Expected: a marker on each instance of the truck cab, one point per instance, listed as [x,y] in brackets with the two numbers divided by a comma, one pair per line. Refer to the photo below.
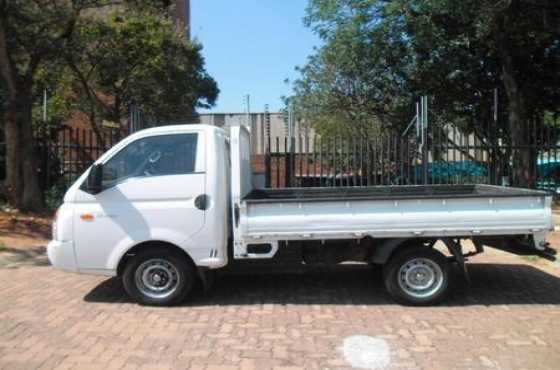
[166,187]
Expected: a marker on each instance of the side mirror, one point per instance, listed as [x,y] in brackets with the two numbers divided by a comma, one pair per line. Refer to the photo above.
[94,180]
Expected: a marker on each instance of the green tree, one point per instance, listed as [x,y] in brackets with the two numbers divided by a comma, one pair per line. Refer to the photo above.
[56,43]
[473,46]
[31,32]
[356,83]
[379,56]
[136,58]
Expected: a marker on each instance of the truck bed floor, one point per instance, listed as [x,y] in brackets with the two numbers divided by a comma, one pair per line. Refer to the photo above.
[386,193]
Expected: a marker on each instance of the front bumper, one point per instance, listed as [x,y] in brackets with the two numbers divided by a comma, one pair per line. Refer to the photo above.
[61,255]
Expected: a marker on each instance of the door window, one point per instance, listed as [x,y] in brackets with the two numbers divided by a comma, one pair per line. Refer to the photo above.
[152,156]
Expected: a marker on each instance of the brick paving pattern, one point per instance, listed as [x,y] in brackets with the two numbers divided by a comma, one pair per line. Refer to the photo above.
[509,319]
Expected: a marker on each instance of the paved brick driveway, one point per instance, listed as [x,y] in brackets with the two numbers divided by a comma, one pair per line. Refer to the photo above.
[510,319]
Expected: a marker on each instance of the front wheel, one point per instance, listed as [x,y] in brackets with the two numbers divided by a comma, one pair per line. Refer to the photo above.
[158,277]
[418,276]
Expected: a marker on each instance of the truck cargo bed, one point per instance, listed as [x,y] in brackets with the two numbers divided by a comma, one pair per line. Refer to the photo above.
[275,217]
[387,193]
[393,212]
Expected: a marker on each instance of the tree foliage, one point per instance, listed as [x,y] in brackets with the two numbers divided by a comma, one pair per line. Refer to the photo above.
[379,56]
[140,59]
[356,82]
[97,56]
[32,32]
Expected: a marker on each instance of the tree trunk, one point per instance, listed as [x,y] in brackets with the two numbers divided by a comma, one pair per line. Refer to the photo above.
[14,183]
[523,160]
[32,199]
[22,180]
[522,156]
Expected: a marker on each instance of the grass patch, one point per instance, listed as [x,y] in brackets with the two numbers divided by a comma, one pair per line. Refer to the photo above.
[3,247]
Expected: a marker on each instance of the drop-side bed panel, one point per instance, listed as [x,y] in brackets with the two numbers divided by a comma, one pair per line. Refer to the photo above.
[291,214]
[387,192]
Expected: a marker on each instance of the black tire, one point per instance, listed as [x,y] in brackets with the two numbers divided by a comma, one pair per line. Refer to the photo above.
[169,266]
[426,263]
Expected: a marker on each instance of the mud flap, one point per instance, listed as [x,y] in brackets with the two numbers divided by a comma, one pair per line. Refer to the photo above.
[207,278]
[457,251]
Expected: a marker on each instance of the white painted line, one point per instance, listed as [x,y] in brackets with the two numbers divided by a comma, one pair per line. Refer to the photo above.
[364,352]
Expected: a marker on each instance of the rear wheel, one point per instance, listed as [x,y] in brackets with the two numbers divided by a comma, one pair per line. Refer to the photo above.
[418,276]
[158,277]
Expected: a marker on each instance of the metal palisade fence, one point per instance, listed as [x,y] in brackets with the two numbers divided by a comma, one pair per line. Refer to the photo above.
[66,152]
[435,153]
[441,153]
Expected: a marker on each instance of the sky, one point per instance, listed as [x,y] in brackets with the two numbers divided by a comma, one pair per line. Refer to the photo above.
[251,47]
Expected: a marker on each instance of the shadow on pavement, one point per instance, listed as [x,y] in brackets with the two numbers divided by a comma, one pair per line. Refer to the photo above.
[15,257]
[492,284]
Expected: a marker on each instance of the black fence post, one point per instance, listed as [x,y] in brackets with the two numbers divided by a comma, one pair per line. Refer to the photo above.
[425,156]
[267,162]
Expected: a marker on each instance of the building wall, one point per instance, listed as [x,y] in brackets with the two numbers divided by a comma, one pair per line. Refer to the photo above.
[182,16]
[260,133]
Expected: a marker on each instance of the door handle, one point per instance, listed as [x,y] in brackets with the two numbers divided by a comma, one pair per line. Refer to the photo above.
[201,202]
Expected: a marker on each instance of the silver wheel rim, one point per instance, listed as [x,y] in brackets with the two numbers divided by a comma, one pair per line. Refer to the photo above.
[420,278]
[157,278]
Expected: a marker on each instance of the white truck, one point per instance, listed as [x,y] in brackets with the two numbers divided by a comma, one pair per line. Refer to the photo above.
[167,206]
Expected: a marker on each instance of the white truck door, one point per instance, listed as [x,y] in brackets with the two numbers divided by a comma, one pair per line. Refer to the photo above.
[152,190]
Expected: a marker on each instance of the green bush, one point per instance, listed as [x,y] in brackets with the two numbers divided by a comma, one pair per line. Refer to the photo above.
[54,196]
